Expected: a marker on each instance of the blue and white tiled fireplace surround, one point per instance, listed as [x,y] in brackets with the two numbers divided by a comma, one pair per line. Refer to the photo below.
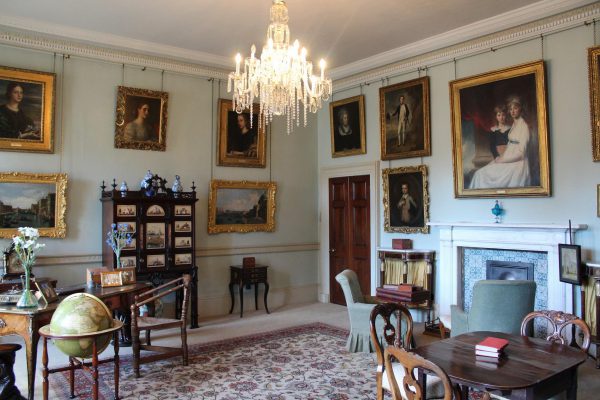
[465,247]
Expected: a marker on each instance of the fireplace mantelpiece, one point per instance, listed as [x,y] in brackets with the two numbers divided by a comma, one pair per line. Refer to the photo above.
[526,237]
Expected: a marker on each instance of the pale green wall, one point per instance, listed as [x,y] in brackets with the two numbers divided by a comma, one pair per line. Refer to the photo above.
[573,174]
[87,92]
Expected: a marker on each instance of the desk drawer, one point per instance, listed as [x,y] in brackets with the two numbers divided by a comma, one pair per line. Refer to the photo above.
[113,303]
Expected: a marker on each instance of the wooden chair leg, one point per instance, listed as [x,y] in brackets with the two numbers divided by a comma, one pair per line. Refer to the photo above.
[184,345]
[148,342]
[116,361]
[135,349]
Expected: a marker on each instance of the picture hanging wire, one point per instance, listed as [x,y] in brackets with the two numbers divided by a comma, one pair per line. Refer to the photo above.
[570,233]
[542,46]
[361,89]
[123,75]
[595,36]
[270,133]
[419,72]
[454,60]
[162,80]
[212,124]
[62,112]
[54,63]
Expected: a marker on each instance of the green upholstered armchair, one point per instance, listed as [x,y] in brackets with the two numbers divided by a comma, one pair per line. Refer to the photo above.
[359,310]
[497,306]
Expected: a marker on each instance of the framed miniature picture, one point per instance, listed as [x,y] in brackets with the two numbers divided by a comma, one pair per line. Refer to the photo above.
[126,210]
[128,262]
[46,290]
[404,119]
[406,199]
[183,211]
[155,260]
[241,142]
[594,82]
[240,206]
[347,120]
[155,211]
[155,235]
[35,200]
[141,119]
[183,226]
[27,115]
[500,133]
[182,259]
[183,242]
[131,245]
[569,263]
[130,226]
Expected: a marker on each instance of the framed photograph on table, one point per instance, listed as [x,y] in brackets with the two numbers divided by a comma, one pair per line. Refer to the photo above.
[241,142]
[46,291]
[404,119]
[406,199]
[347,120]
[569,263]
[27,112]
[141,119]
[594,79]
[35,200]
[240,206]
[500,133]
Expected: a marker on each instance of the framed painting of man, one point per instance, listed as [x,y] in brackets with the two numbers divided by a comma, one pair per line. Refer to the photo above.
[241,206]
[347,120]
[27,110]
[35,200]
[242,143]
[406,199]
[594,78]
[404,119]
[500,133]
[141,119]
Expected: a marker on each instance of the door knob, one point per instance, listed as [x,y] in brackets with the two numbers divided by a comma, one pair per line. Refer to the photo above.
[332,251]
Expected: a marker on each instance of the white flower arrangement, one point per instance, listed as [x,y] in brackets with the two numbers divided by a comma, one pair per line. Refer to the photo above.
[26,246]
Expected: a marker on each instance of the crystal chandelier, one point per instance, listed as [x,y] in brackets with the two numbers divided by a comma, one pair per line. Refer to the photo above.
[282,78]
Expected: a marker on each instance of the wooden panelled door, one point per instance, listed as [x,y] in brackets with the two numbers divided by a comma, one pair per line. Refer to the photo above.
[349,232]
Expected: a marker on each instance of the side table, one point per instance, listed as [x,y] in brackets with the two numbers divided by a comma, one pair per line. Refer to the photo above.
[246,276]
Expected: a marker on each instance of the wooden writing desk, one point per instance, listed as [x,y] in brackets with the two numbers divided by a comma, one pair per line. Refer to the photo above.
[26,322]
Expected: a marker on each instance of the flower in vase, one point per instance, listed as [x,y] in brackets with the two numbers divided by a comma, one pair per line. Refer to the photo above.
[118,237]
[26,246]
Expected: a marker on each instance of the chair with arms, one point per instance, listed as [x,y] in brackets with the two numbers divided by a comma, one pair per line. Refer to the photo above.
[148,324]
[391,325]
[497,306]
[410,388]
[359,311]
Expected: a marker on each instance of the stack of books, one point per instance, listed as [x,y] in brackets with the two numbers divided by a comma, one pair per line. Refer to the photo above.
[489,352]
[402,293]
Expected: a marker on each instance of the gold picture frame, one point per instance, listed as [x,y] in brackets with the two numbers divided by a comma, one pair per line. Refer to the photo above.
[141,119]
[347,121]
[46,212]
[598,200]
[253,211]
[594,79]
[406,199]
[404,119]
[240,146]
[500,133]
[33,130]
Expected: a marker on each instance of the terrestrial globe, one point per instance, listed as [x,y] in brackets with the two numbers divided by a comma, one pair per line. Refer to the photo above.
[77,314]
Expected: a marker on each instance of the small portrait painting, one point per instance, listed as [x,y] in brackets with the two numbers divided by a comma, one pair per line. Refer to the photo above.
[347,120]
[500,136]
[404,119]
[242,141]
[26,110]
[406,199]
[47,291]
[141,119]
[569,262]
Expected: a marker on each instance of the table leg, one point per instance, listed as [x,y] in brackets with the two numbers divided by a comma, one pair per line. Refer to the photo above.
[256,295]
[45,369]
[31,343]
[116,361]
[241,299]
[232,297]
[598,355]
[266,293]
[572,390]
[464,392]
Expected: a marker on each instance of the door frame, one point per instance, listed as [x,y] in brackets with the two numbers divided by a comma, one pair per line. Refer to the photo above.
[373,170]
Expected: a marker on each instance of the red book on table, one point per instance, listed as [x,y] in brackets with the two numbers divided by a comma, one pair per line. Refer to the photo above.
[492,344]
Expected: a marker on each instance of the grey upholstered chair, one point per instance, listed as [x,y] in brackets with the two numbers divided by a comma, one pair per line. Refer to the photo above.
[497,306]
[359,310]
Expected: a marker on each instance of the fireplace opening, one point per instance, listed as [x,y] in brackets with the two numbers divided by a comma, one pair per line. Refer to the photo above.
[508,270]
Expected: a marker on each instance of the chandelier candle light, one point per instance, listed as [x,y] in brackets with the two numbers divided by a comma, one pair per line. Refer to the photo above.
[282,78]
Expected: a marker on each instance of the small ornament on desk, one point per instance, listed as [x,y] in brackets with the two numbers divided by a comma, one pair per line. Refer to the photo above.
[497,211]
[177,188]
[401,244]
[147,180]
[248,262]
[124,189]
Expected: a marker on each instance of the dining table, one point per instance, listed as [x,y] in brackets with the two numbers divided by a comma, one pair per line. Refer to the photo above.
[529,368]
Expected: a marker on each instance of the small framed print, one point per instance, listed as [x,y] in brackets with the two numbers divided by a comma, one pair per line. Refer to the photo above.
[111,278]
[569,263]
[347,120]
[128,262]
[130,225]
[183,211]
[46,290]
[183,242]
[126,210]
[130,246]
[183,226]
[155,261]
[127,275]
[155,235]
[183,259]
[155,211]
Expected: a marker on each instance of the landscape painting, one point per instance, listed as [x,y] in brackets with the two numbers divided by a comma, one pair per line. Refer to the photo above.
[242,207]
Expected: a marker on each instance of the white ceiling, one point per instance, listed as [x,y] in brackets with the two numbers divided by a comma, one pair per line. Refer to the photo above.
[341,31]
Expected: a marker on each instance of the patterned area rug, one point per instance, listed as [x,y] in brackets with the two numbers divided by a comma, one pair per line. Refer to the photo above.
[307,362]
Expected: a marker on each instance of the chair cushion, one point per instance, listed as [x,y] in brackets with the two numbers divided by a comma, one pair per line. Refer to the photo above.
[435,388]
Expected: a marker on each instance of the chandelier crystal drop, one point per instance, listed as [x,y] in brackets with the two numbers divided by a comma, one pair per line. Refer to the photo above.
[282,78]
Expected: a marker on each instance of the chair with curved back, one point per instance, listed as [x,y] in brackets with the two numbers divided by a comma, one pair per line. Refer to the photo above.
[410,388]
[559,321]
[391,325]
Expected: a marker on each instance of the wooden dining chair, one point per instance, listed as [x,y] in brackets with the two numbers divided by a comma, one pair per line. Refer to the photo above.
[406,386]
[559,321]
[147,324]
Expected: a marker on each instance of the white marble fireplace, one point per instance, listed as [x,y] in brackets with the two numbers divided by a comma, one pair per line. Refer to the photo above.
[455,236]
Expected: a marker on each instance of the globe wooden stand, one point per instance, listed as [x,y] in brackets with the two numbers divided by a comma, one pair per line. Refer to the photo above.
[75,363]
